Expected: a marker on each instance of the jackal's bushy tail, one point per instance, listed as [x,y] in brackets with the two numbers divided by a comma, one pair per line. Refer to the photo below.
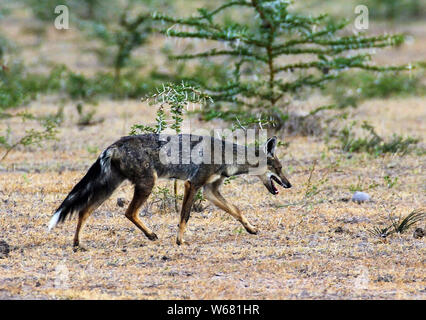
[96,186]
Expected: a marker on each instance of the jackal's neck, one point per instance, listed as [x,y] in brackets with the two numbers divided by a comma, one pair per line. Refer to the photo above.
[253,162]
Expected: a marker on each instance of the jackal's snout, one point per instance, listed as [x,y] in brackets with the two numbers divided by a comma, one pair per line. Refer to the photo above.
[284,182]
[271,179]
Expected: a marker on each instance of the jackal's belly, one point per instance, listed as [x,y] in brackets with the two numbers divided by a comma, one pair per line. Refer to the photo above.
[207,173]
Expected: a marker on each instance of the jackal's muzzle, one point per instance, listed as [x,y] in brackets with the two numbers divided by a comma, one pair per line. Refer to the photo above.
[269,180]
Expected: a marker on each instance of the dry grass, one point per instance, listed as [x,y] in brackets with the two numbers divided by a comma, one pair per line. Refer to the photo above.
[297,254]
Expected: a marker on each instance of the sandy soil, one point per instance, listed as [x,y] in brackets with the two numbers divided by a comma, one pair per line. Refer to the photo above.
[297,254]
[308,247]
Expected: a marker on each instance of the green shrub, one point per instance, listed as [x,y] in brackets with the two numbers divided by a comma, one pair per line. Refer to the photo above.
[94,10]
[373,143]
[31,136]
[257,81]
[396,9]
[118,41]
[18,86]
[351,89]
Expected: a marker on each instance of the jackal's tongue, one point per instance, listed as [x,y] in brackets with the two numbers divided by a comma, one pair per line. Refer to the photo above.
[273,187]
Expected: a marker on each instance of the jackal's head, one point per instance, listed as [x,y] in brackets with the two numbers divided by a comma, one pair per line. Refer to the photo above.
[274,173]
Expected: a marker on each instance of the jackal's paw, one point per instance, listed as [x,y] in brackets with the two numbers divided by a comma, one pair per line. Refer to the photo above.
[252,230]
[181,241]
[152,236]
[79,249]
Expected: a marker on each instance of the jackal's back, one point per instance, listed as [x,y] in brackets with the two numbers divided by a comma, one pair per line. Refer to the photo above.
[136,155]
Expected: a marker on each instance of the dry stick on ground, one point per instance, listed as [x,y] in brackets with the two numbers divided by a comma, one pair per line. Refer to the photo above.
[308,183]
[313,189]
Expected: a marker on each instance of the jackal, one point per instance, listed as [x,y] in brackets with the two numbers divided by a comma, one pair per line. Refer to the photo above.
[142,159]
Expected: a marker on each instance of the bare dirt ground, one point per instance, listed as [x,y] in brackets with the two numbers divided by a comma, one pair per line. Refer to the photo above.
[315,247]
[308,247]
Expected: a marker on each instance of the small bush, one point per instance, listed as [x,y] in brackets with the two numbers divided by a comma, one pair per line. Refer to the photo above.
[31,136]
[86,118]
[82,9]
[18,86]
[13,86]
[399,225]
[396,9]
[390,182]
[352,89]
[104,84]
[198,202]
[165,199]
[373,143]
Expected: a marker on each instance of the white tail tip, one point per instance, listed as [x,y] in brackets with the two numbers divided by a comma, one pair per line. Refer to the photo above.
[54,221]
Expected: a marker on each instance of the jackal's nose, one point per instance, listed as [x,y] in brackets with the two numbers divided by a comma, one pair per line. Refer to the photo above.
[285,183]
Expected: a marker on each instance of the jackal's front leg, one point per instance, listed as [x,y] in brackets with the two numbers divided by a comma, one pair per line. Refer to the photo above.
[212,194]
[188,199]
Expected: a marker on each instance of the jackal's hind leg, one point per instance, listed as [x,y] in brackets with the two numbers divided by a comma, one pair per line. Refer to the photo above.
[139,197]
[212,194]
[82,217]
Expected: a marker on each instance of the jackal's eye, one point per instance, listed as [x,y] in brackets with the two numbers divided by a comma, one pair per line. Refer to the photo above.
[278,167]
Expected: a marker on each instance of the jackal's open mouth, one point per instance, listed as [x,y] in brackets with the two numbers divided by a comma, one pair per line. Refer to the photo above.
[277,180]
[270,180]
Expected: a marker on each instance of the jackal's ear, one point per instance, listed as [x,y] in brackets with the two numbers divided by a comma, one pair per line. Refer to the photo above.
[270,146]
